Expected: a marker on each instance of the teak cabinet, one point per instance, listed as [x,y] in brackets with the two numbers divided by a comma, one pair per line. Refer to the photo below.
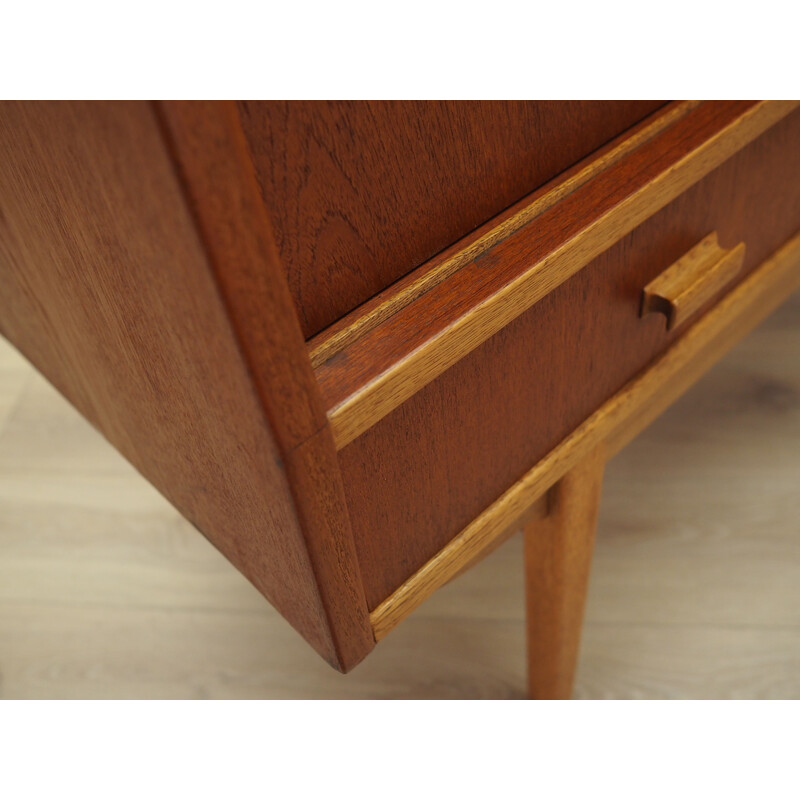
[359,344]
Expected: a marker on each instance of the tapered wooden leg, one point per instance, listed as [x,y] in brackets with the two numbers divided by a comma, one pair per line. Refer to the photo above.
[558,556]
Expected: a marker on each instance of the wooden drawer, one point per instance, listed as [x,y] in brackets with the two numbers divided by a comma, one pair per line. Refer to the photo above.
[361,193]
[422,472]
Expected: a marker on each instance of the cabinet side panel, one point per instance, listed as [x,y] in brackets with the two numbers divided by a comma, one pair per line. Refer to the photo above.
[107,290]
[210,151]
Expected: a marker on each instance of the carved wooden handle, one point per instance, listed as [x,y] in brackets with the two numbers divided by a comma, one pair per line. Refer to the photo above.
[692,280]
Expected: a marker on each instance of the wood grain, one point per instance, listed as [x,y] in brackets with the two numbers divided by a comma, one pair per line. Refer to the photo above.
[361,193]
[376,310]
[613,425]
[692,281]
[208,145]
[108,290]
[135,302]
[388,364]
[558,560]
[107,592]
[539,510]
[419,476]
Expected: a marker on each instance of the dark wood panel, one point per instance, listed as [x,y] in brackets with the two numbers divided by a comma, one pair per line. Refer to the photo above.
[107,289]
[423,472]
[378,370]
[209,146]
[360,193]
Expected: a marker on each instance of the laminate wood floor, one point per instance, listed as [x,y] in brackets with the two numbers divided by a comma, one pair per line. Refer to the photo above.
[106,592]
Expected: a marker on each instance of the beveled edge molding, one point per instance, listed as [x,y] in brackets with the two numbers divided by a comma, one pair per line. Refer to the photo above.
[615,423]
[337,336]
[379,395]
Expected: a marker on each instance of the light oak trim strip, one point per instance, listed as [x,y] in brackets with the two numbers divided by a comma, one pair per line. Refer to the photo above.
[334,339]
[378,397]
[538,511]
[615,424]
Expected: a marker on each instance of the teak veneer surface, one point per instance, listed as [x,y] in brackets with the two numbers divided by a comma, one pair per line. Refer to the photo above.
[386,364]
[210,151]
[140,275]
[613,425]
[424,471]
[108,289]
[360,193]
[406,290]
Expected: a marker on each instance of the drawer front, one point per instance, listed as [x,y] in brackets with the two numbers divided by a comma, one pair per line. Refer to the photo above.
[424,471]
[361,193]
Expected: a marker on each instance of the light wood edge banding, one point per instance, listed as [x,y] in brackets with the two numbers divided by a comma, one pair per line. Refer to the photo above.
[377,398]
[537,512]
[327,344]
[617,422]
